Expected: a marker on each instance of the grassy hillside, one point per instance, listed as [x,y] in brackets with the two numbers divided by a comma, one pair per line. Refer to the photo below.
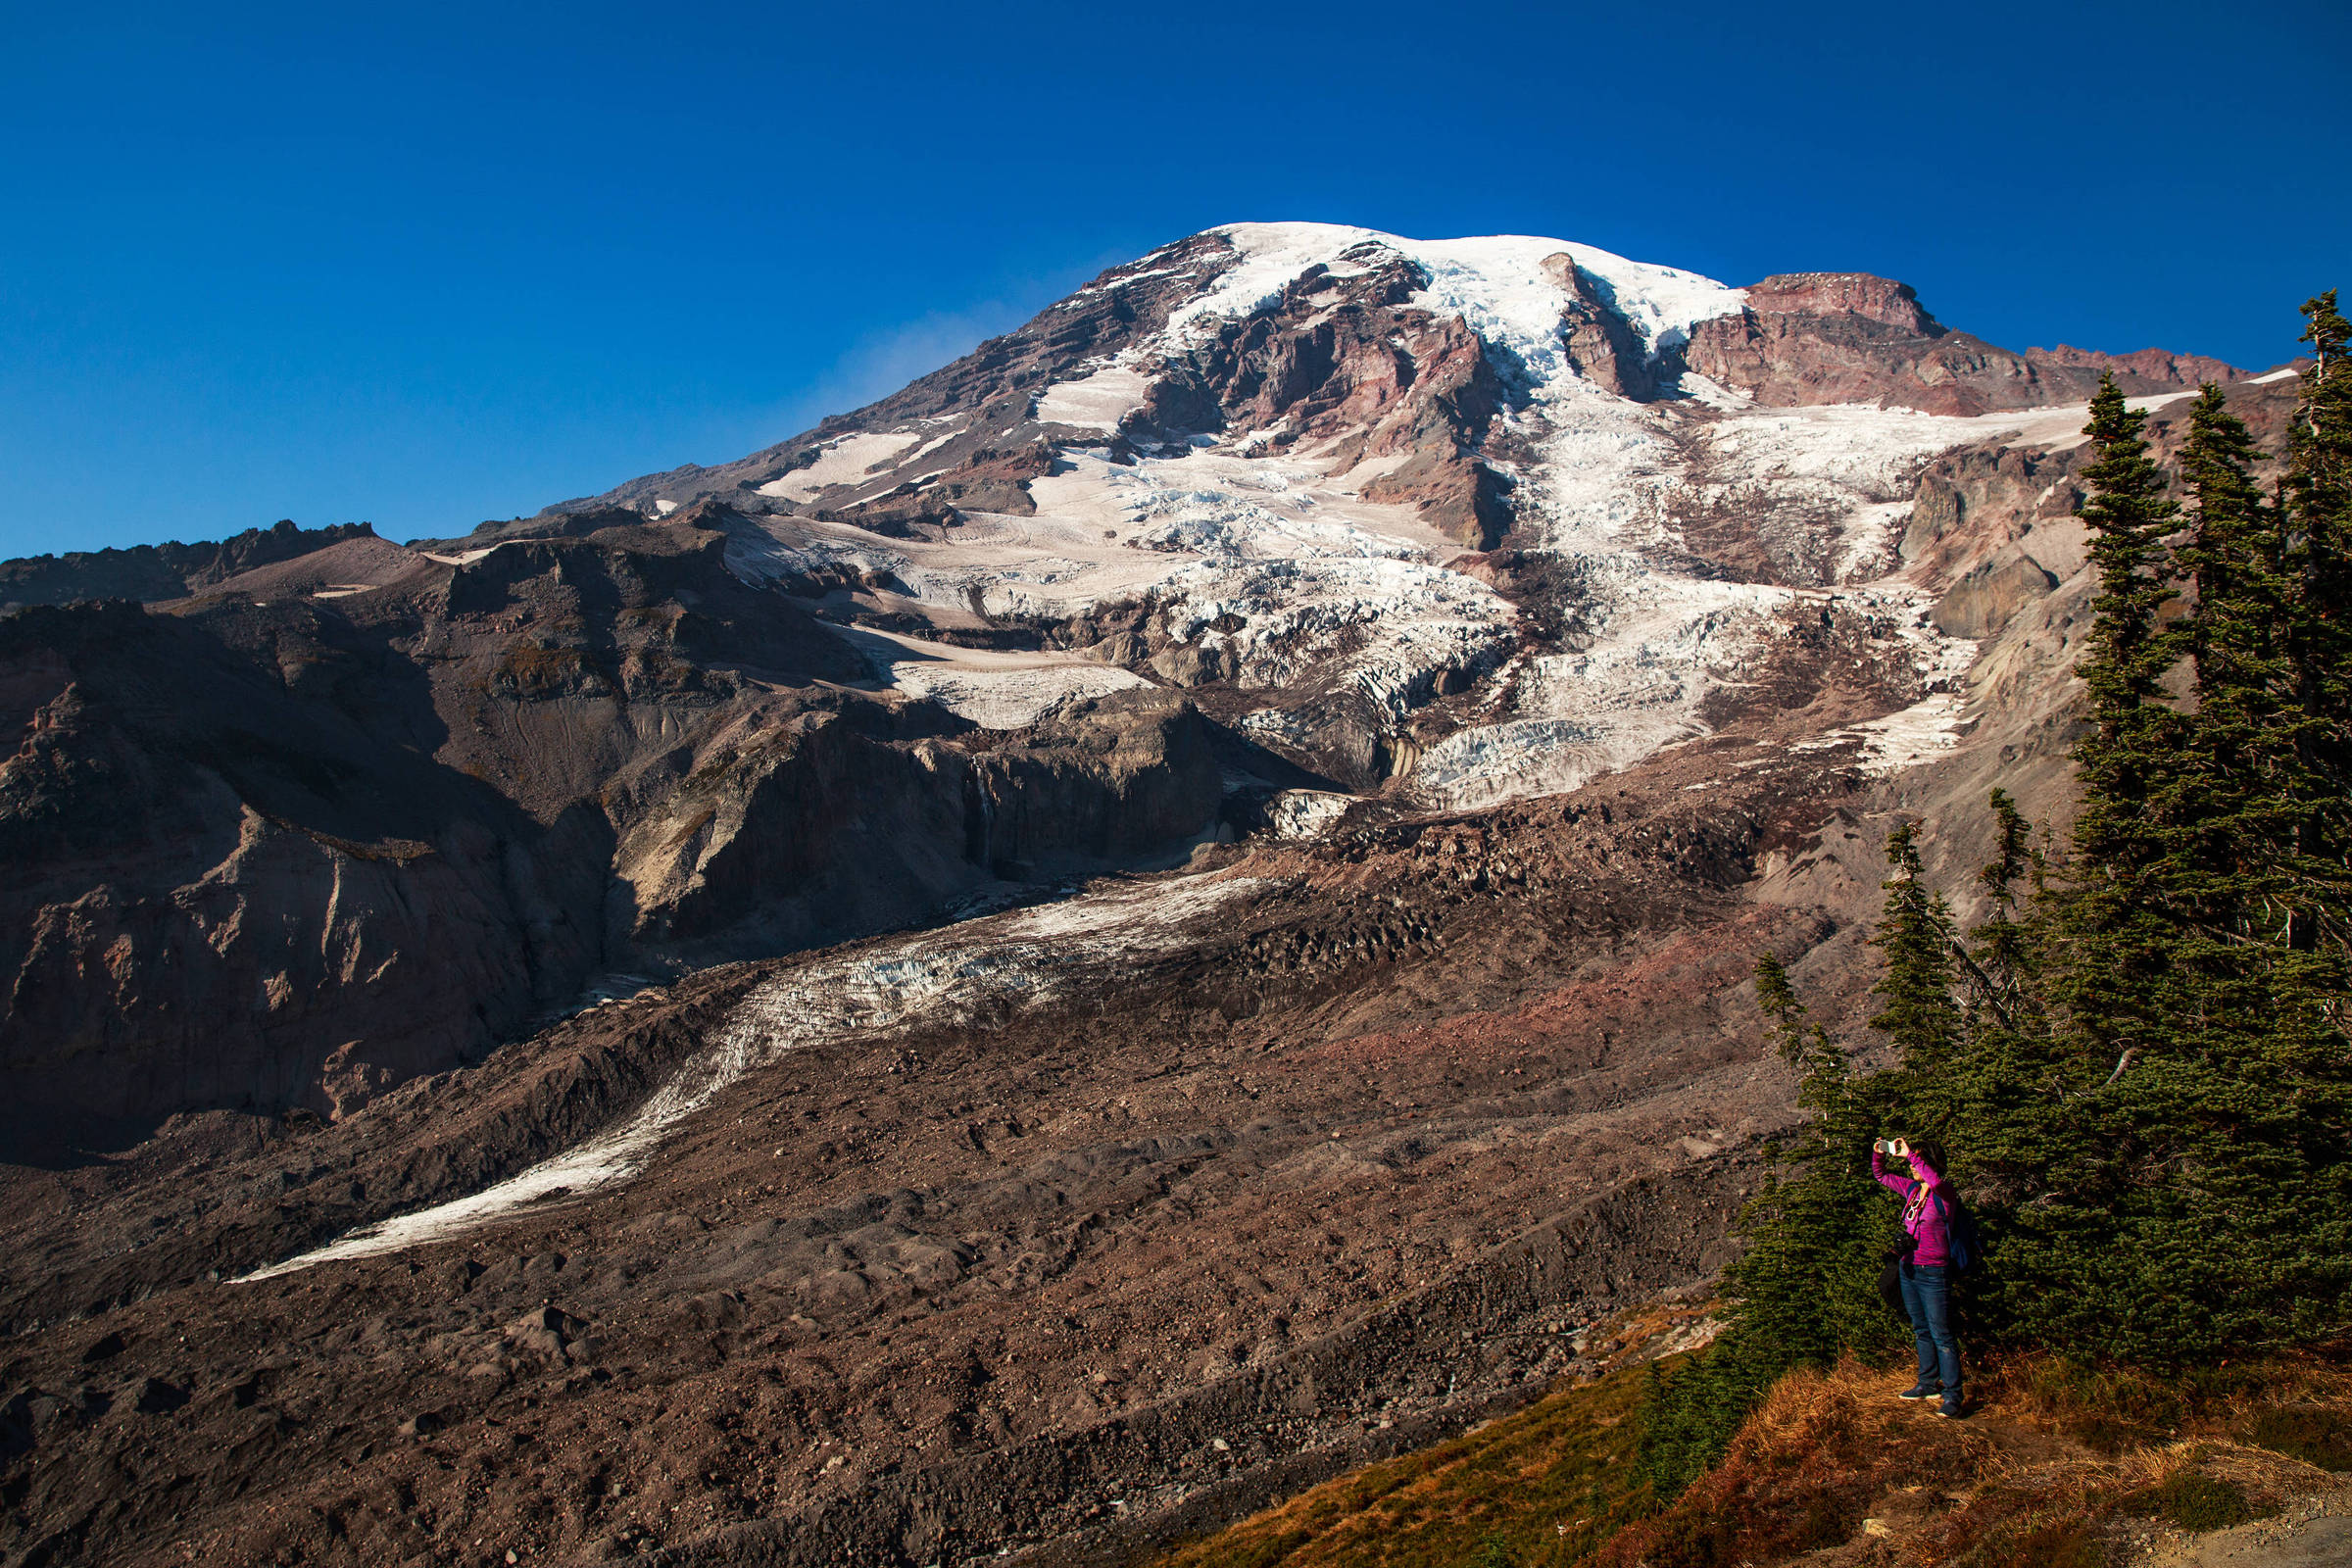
[2059,1467]
[1542,1487]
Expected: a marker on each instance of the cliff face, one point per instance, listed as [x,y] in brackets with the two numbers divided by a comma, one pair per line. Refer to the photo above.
[289,851]
[224,892]
[817,829]
[1849,338]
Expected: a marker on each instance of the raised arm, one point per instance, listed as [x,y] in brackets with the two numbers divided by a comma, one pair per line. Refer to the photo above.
[1884,1177]
[1925,1172]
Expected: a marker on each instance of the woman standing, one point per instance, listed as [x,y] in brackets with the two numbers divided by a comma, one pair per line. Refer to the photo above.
[1927,1273]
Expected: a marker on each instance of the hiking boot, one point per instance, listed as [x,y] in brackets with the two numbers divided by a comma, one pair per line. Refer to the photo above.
[1921,1391]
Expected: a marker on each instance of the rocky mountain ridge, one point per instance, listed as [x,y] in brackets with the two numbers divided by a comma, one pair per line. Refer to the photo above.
[362,813]
[1152,913]
[160,572]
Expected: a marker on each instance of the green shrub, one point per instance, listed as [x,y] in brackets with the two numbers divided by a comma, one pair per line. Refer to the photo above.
[1495,1552]
[1690,1412]
[2194,1502]
[2059,1543]
[2318,1437]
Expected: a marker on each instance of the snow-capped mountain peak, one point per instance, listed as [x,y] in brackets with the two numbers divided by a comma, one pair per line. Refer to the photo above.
[1500,284]
[1267,465]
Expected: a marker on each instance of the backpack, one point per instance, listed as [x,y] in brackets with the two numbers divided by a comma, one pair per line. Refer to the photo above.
[1960,1233]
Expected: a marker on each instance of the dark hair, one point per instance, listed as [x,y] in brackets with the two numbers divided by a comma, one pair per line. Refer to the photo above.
[1929,1152]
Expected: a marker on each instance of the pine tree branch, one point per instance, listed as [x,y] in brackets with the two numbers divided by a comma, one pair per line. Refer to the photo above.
[1987,991]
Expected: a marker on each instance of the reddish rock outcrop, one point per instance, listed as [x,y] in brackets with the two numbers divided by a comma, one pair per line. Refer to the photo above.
[2148,369]
[1873,299]
[1849,337]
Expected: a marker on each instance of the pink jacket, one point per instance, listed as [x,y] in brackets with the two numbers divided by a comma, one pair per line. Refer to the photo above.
[1922,1219]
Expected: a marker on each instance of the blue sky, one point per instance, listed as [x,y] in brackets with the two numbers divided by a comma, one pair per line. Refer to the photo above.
[428,265]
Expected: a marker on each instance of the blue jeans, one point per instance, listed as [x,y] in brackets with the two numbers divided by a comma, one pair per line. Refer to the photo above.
[1927,1300]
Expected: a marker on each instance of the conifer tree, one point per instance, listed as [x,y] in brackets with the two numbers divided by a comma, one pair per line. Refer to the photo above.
[2232,787]
[2113,941]
[2085,1126]
[1792,1032]
[2316,503]
[1804,1290]
[2004,949]
[2166,1204]
[2228,801]
[1806,1281]
[1998,1094]
[1914,939]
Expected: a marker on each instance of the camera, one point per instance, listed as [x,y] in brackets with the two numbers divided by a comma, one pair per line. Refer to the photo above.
[1892,1146]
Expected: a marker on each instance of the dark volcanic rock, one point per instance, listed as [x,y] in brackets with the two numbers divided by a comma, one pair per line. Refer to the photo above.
[289,854]
[227,893]
[160,572]
[867,832]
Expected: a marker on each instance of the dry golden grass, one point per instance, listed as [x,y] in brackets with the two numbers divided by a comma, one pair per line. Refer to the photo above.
[2058,1466]
[1537,1489]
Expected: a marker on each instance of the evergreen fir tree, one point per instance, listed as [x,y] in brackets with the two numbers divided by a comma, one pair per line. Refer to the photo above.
[2317,504]
[2113,940]
[2106,1158]
[2232,791]
[1808,1281]
[2188,1199]
[1777,1000]
[2004,950]
[1998,1096]
[1914,938]
[2228,801]
[1805,1289]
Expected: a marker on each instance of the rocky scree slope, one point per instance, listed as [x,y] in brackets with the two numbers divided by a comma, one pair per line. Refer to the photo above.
[1546,633]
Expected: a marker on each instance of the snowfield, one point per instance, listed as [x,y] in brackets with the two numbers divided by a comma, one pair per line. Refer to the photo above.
[843,461]
[994,690]
[1097,402]
[1496,284]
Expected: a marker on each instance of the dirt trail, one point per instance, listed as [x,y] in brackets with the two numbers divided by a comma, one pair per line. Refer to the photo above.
[2316,1532]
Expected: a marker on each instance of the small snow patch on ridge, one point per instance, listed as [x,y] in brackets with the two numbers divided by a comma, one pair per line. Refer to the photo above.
[1097,402]
[844,461]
